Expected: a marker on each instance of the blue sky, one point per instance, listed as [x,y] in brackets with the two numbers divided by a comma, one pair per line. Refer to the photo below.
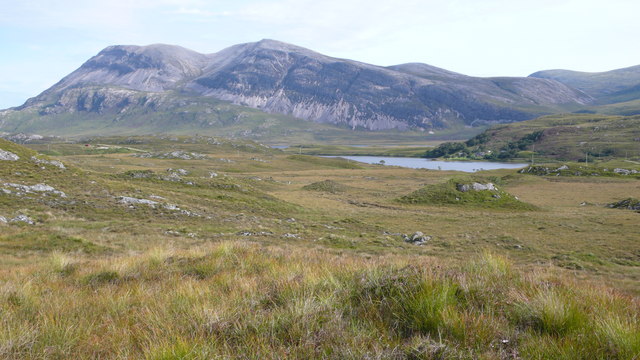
[43,40]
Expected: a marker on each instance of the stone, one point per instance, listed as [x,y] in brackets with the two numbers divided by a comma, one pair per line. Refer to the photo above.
[23,218]
[131,201]
[182,172]
[8,156]
[55,163]
[37,188]
[3,219]
[418,238]
[622,171]
[476,187]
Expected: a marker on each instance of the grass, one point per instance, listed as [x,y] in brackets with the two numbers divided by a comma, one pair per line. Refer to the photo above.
[273,302]
[273,270]
[329,186]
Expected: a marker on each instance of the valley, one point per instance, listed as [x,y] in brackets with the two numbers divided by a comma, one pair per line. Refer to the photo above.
[160,203]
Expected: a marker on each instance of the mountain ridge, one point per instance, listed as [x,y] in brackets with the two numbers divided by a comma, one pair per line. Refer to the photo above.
[282,78]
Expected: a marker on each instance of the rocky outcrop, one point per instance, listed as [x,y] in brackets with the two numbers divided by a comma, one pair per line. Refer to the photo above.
[475,186]
[55,163]
[21,189]
[628,204]
[417,238]
[8,156]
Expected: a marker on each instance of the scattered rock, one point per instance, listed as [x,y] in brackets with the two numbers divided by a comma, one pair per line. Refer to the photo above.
[249,233]
[3,219]
[418,238]
[131,201]
[182,172]
[565,170]
[171,207]
[30,189]
[476,187]
[139,174]
[179,154]
[291,236]
[8,156]
[24,219]
[628,204]
[212,174]
[624,171]
[55,163]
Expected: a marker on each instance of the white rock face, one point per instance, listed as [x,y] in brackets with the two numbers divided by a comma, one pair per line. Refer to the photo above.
[21,189]
[8,156]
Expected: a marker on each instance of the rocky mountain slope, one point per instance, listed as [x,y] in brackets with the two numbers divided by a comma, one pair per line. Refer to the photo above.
[121,82]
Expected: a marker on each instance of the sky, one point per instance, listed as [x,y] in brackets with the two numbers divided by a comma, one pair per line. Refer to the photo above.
[41,41]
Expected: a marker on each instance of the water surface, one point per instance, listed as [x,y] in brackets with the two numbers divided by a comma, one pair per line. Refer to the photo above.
[421,163]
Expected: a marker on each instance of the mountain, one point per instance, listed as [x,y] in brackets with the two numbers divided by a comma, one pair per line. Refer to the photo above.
[607,87]
[159,88]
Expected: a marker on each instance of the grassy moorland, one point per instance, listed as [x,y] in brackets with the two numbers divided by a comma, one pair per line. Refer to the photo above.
[200,248]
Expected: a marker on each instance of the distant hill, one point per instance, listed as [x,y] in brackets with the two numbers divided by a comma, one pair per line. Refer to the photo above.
[607,87]
[165,88]
[562,137]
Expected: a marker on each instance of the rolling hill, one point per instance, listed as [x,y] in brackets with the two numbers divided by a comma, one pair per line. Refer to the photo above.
[560,137]
[615,86]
